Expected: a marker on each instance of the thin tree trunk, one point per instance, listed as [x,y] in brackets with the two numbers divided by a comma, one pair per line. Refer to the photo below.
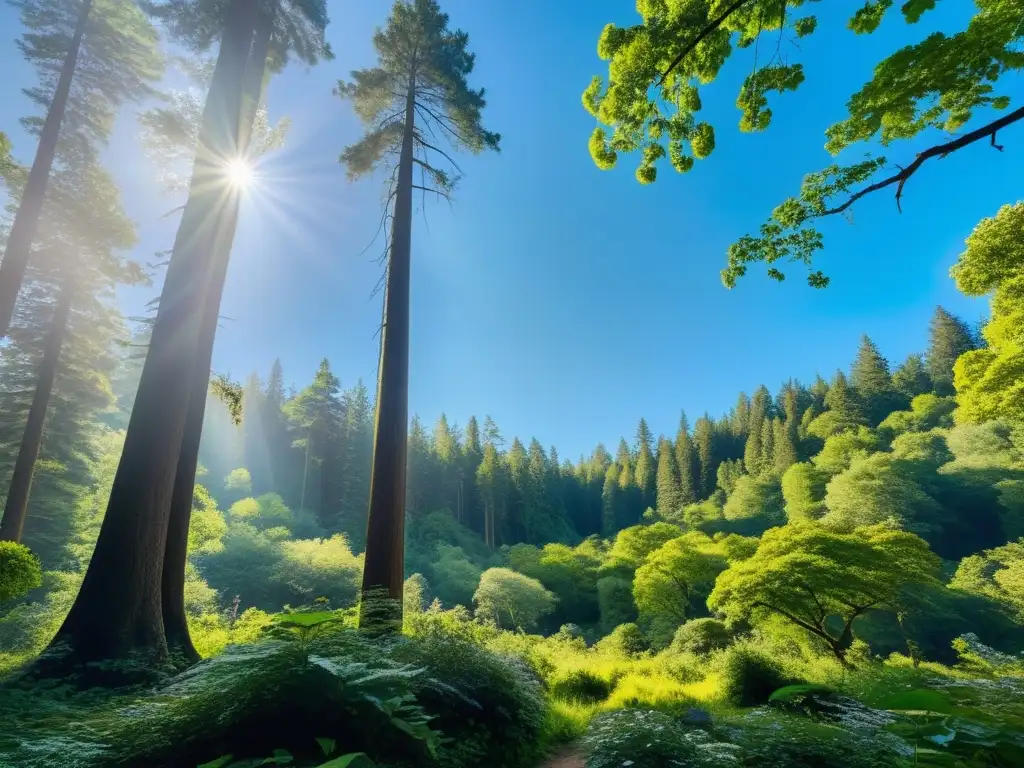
[16,509]
[175,554]
[26,220]
[384,566]
[118,610]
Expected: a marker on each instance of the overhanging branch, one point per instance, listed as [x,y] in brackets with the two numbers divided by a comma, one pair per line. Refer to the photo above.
[710,28]
[939,150]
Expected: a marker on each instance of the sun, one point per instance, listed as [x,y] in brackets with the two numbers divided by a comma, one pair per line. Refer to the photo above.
[240,173]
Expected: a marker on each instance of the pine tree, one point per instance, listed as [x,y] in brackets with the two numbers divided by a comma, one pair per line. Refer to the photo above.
[753,451]
[911,378]
[949,338]
[255,435]
[421,75]
[684,463]
[609,501]
[704,448]
[870,376]
[785,446]
[492,484]
[645,466]
[355,466]
[767,460]
[668,498]
[843,403]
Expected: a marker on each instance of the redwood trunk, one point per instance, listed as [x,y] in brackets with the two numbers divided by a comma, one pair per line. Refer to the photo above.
[16,509]
[384,563]
[173,581]
[26,220]
[118,610]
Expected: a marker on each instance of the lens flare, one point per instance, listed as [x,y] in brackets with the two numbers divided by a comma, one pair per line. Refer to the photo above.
[240,173]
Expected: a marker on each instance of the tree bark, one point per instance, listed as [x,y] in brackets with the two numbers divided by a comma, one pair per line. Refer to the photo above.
[384,563]
[26,220]
[175,619]
[16,509]
[118,611]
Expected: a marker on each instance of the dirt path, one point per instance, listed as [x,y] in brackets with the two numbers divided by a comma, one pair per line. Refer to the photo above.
[567,757]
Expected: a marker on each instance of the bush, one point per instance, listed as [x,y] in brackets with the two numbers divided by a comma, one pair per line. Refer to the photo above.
[701,636]
[615,600]
[645,739]
[581,685]
[625,640]
[491,707]
[749,676]
[19,570]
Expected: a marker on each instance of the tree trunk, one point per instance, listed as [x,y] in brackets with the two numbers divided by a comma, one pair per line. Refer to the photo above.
[26,220]
[118,612]
[16,509]
[176,551]
[384,563]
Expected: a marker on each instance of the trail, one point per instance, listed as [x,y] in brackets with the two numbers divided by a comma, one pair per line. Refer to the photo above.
[567,757]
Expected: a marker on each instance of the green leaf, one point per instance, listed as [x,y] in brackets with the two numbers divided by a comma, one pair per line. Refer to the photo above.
[327,746]
[220,762]
[346,760]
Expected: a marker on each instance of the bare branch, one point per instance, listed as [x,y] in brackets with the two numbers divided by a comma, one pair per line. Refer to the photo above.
[939,150]
[431,147]
[437,192]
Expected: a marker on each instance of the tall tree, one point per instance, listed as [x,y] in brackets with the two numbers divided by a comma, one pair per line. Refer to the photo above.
[118,610]
[911,378]
[870,376]
[112,51]
[753,451]
[685,463]
[16,506]
[646,468]
[669,504]
[707,466]
[420,77]
[949,337]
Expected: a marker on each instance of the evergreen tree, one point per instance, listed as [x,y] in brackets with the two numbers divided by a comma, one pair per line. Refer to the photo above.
[646,468]
[844,404]
[767,461]
[491,482]
[355,466]
[704,448]
[785,446]
[257,440]
[949,337]
[870,376]
[685,460]
[753,451]
[119,608]
[420,470]
[668,493]
[421,75]
[911,378]
[610,492]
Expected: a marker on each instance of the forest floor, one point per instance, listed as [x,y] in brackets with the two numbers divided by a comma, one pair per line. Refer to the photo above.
[567,757]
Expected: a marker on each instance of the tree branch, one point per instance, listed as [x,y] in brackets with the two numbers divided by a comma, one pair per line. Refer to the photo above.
[445,155]
[435,191]
[709,29]
[939,150]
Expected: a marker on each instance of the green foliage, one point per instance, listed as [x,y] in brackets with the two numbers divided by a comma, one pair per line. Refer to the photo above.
[806,574]
[625,640]
[511,599]
[633,545]
[581,685]
[996,573]
[649,739]
[701,637]
[20,571]
[615,600]
[803,489]
[676,578]
[755,505]
[749,675]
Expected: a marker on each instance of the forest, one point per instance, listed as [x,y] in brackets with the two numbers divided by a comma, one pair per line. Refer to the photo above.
[210,572]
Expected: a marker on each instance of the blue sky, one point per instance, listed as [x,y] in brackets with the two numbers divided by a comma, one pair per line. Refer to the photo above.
[565,301]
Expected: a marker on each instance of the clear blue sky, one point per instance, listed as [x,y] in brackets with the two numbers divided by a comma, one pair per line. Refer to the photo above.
[565,301]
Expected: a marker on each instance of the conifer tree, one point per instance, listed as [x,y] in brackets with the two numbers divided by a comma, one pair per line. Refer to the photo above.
[949,337]
[419,83]
[767,461]
[358,449]
[105,52]
[911,378]
[843,404]
[610,492]
[685,463]
[785,446]
[703,442]
[668,498]
[490,479]
[753,451]
[118,610]
[646,469]
[870,376]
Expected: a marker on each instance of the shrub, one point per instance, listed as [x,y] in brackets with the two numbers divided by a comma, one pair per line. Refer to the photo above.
[701,636]
[615,600]
[749,676]
[625,640]
[511,599]
[19,570]
[491,707]
[645,739]
[581,685]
